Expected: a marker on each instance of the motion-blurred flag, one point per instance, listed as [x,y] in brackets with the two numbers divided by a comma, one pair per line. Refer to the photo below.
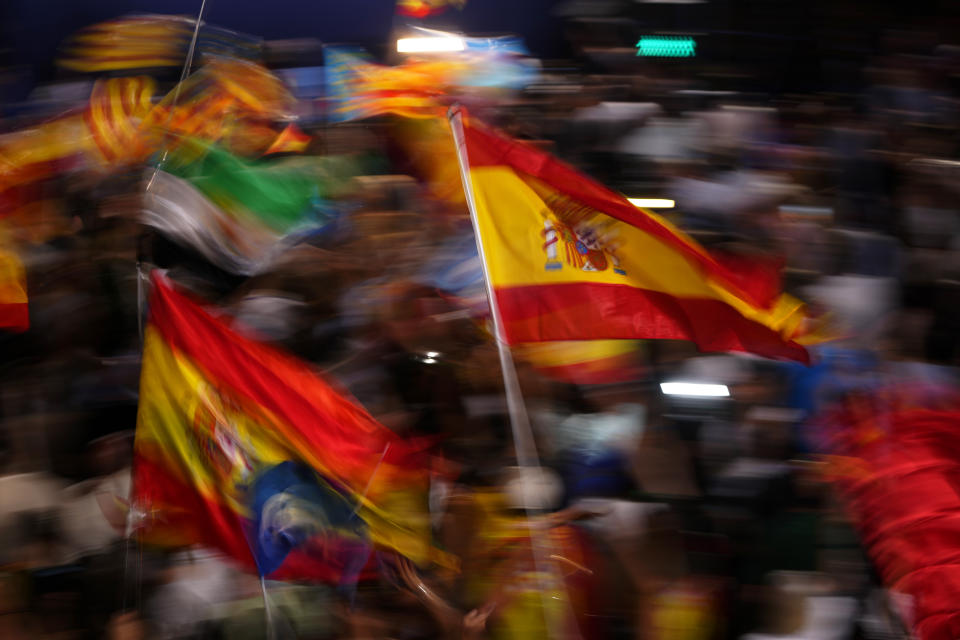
[895,461]
[181,212]
[280,192]
[105,134]
[149,42]
[240,215]
[584,362]
[14,315]
[290,140]
[245,449]
[117,107]
[226,99]
[359,88]
[421,87]
[572,260]
[224,94]
[424,8]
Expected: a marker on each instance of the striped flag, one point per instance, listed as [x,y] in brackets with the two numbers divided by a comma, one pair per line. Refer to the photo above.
[147,42]
[245,449]
[240,215]
[113,118]
[572,260]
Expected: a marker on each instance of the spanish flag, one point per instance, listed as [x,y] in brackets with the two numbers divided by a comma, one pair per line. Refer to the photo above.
[243,448]
[568,259]
[584,362]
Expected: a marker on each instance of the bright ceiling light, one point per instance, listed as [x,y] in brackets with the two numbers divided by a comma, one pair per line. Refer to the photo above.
[652,203]
[431,44]
[694,390]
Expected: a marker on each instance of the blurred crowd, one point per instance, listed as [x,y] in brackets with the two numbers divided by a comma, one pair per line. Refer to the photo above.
[673,517]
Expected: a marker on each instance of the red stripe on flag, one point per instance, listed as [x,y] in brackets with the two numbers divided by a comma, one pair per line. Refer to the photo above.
[613,372]
[323,420]
[540,313]
[485,148]
[185,514]
[97,137]
[14,316]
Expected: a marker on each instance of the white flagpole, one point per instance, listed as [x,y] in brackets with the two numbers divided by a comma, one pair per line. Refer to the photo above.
[267,612]
[523,440]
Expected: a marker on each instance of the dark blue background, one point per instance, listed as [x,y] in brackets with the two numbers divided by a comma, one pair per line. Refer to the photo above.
[31,30]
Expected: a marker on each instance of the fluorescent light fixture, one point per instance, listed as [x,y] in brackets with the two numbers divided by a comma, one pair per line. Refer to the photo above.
[430,44]
[652,203]
[694,390]
[433,354]
[666,46]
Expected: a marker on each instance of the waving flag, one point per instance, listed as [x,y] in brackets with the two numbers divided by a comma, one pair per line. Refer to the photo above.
[584,362]
[244,448]
[572,260]
[224,99]
[359,88]
[279,192]
[290,140]
[455,270]
[241,215]
[149,41]
[420,87]
[424,8]
[117,106]
[236,244]
[894,459]
[224,96]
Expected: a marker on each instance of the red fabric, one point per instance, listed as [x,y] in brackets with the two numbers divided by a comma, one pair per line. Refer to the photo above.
[315,413]
[908,509]
[564,311]
[755,280]
[210,523]
[418,8]
[200,520]
[14,316]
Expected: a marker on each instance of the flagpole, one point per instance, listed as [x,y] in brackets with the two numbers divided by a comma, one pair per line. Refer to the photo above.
[526,448]
[523,440]
[267,613]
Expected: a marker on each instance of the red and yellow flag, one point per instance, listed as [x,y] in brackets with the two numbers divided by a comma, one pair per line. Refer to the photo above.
[117,106]
[424,8]
[584,361]
[290,140]
[14,315]
[571,260]
[244,448]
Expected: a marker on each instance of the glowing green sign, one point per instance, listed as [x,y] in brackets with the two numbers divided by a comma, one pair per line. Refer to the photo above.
[666,47]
